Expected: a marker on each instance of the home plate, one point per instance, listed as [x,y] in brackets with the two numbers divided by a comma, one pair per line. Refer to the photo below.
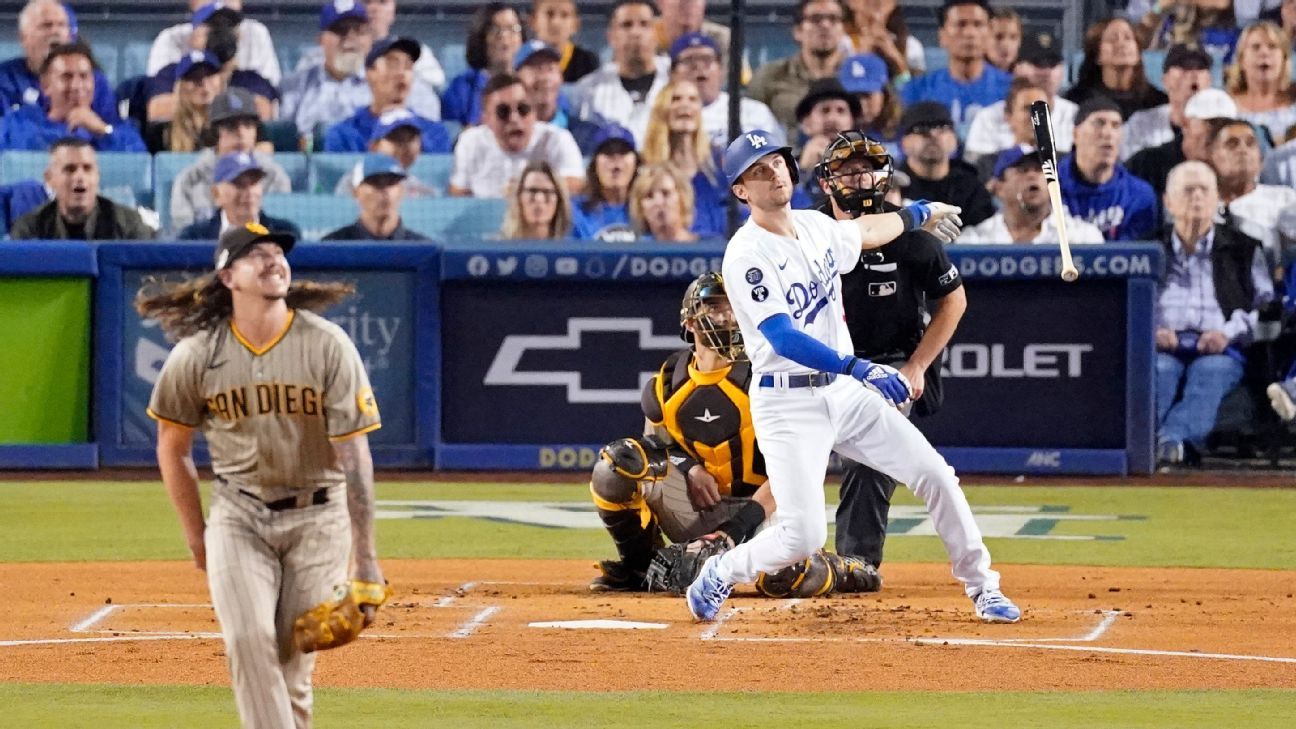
[599,625]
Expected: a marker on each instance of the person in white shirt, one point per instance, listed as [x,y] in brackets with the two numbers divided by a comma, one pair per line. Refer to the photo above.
[1187,70]
[992,130]
[623,90]
[256,50]
[492,153]
[696,57]
[810,395]
[1016,108]
[333,88]
[1234,153]
[1025,214]
[382,14]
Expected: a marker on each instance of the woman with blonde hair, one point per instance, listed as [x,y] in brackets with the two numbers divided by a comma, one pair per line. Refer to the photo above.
[676,136]
[662,204]
[198,82]
[1260,79]
[538,206]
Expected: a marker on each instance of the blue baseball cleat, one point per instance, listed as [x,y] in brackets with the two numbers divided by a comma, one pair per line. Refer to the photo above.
[993,607]
[708,592]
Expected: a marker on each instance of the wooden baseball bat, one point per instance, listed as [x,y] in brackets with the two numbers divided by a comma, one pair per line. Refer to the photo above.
[1043,125]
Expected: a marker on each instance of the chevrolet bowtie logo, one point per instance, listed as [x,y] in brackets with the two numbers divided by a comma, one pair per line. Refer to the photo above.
[504,369]
[706,416]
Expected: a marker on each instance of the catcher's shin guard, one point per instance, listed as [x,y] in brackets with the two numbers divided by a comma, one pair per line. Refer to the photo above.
[852,574]
[811,577]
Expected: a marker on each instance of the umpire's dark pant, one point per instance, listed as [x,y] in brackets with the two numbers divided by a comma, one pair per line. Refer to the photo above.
[866,494]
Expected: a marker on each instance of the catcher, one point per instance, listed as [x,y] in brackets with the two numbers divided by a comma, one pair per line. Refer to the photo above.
[282,397]
[696,476]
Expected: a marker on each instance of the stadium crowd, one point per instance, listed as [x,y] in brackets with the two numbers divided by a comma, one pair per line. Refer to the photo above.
[1196,151]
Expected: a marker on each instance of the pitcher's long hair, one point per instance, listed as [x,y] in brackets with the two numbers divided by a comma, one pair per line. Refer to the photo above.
[184,308]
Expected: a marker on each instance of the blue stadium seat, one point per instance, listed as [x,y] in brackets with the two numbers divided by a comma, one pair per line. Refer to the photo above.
[441,217]
[167,166]
[297,165]
[126,177]
[434,169]
[107,55]
[316,215]
[10,49]
[452,58]
[326,168]
[134,58]
[936,58]
[1154,66]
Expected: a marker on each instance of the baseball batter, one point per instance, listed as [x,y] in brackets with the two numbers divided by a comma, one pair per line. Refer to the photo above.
[697,473]
[783,269]
[284,403]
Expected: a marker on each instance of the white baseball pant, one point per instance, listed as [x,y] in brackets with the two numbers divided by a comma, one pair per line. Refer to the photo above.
[799,428]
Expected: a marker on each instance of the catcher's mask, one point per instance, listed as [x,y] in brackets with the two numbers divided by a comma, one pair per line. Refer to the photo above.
[707,307]
[841,170]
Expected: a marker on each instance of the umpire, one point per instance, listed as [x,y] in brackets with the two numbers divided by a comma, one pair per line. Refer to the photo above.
[903,302]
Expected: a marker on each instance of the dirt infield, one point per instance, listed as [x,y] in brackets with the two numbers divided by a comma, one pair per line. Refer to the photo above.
[490,624]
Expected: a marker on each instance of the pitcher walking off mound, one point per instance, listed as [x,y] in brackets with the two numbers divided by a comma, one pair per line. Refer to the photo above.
[282,397]
[783,270]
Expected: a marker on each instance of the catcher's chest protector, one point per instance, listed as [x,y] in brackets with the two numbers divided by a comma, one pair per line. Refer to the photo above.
[708,414]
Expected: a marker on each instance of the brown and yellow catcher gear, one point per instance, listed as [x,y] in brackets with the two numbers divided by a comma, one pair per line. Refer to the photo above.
[708,415]
[822,573]
[339,620]
[706,306]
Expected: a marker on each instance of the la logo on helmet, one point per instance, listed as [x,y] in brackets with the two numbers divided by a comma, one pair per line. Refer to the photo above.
[757,140]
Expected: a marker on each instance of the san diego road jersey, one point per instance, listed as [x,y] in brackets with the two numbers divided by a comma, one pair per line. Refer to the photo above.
[268,414]
[708,416]
[766,274]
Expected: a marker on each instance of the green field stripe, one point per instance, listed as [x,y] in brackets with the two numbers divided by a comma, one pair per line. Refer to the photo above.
[134,707]
[1037,527]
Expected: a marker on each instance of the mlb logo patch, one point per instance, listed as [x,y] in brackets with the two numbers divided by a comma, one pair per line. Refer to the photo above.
[885,288]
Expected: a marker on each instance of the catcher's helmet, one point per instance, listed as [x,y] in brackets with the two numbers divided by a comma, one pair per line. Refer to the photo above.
[843,184]
[703,300]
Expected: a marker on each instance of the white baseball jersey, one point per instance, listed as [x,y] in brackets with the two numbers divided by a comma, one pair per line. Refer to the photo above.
[766,274]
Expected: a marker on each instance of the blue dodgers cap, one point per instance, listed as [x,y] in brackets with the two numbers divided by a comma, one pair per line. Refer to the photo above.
[393,43]
[749,147]
[864,74]
[693,40]
[531,49]
[217,9]
[612,133]
[337,10]
[197,59]
[391,120]
[380,165]
[232,165]
[1014,156]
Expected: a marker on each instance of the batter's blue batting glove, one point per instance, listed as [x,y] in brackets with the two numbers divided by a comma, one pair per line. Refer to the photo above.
[885,381]
[920,211]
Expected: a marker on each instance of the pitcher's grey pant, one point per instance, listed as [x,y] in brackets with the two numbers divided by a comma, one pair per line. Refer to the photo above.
[264,569]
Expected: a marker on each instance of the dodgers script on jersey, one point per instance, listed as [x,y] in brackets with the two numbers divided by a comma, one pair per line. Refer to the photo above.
[767,274]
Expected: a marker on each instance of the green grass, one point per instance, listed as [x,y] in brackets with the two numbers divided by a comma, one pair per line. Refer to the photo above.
[1190,527]
[132,707]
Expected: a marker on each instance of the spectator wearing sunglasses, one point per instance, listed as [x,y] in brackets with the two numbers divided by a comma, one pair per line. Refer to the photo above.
[539,208]
[389,70]
[489,155]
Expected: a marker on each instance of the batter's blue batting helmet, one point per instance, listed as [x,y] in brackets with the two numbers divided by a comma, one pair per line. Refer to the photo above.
[751,146]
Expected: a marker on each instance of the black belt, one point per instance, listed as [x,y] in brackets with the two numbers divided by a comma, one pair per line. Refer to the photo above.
[814,379]
[320,496]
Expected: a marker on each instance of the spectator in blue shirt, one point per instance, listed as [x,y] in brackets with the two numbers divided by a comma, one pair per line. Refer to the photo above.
[603,212]
[238,188]
[1096,187]
[20,198]
[537,65]
[970,82]
[68,84]
[495,36]
[43,24]
[389,69]
[330,91]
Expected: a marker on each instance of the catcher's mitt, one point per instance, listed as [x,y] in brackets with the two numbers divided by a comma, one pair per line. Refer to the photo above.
[675,567]
[339,620]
